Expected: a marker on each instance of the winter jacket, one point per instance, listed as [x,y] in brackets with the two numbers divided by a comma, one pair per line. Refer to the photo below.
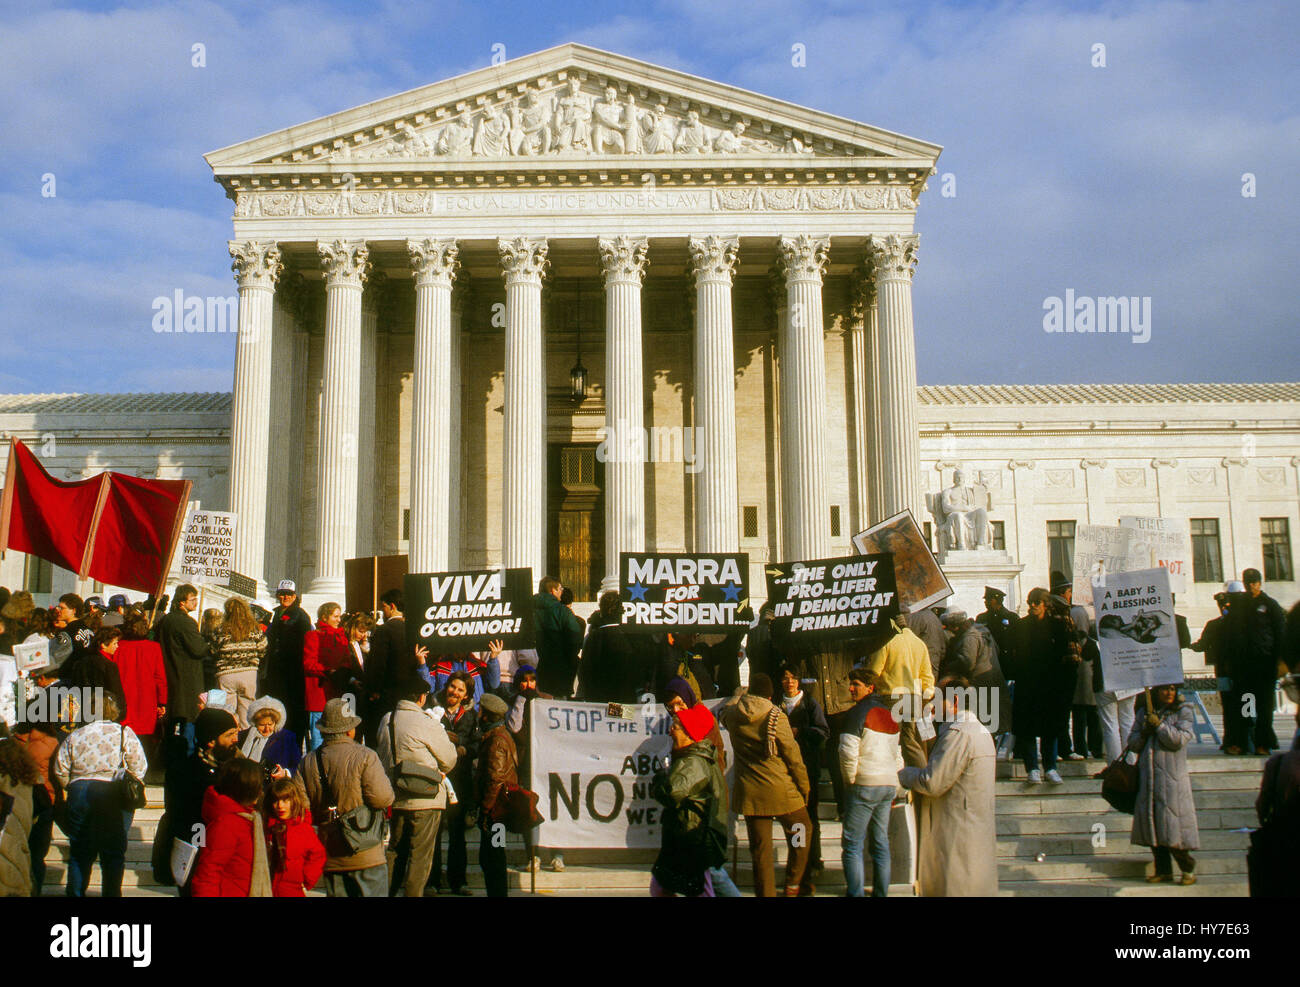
[870,754]
[354,776]
[770,778]
[462,731]
[296,857]
[224,868]
[695,832]
[280,673]
[94,670]
[810,729]
[559,638]
[1165,814]
[420,740]
[674,660]
[1046,655]
[187,657]
[972,654]
[238,656]
[904,665]
[41,748]
[1001,624]
[1262,634]
[144,680]
[498,766]
[184,788]
[16,813]
[925,624]
[617,665]
[486,676]
[281,748]
[327,659]
[1210,644]
[389,662]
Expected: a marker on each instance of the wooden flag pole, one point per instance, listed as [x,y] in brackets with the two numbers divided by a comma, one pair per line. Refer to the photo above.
[7,499]
[105,483]
[182,509]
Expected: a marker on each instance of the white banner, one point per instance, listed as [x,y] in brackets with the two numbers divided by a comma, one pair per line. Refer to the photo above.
[1136,631]
[207,543]
[592,773]
[1102,549]
[1167,543]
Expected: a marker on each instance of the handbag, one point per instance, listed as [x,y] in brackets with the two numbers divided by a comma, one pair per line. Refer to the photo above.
[412,780]
[130,789]
[360,828]
[1119,784]
[516,809]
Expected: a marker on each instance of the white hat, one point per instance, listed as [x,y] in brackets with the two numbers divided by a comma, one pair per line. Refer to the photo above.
[1235,586]
[286,586]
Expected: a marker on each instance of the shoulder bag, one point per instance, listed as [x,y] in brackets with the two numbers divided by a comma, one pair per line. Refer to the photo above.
[360,828]
[410,780]
[130,789]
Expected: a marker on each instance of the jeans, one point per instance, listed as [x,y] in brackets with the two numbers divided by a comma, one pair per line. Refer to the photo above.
[493,861]
[1048,746]
[1116,716]
[313,735]
[453,819]
[97,826]
[866,815]
[369,882]
[410,848]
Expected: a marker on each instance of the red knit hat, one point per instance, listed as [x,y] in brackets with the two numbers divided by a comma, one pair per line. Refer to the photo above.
[697,721]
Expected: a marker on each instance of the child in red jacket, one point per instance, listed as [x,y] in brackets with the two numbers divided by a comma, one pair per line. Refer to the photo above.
[233,860]
[295,851]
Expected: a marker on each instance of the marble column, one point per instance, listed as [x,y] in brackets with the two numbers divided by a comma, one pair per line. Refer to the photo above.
[523,508]
[623,263]
[803,398]
[434,264]
[257,267]
[864,345]
[893,260]
[454,477]
[713,264]
[346,264]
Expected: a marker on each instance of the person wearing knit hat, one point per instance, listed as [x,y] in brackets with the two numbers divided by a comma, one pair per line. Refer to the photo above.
[679,688]
[693,794]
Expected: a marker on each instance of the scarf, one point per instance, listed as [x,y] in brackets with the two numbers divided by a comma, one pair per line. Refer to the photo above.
[254,744]
[770,731]
[790,702]
[259,883]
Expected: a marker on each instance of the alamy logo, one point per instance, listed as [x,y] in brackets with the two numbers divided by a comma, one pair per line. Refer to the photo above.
[1084,313]
[92,941]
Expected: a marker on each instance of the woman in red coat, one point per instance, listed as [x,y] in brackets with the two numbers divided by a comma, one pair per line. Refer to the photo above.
[328,665]
[144,680]
[296,853]
[233,860]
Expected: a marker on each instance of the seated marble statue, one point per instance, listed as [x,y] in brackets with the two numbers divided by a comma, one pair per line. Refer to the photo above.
[962,516]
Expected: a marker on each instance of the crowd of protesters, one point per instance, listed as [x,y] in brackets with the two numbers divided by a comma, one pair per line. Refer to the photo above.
[329,754]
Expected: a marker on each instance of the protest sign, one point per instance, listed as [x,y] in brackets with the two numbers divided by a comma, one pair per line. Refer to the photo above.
[592,772]
[1168,542]
[207,543]
[1136,631]
[462,611]
[34,655]
[920,581]
[830,599]
[678,592]
[1101,549]
[368,578]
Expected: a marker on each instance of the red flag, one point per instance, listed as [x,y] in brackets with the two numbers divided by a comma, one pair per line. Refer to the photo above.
[113,527]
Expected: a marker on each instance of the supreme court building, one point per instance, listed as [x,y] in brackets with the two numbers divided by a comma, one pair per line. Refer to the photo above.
[565,307]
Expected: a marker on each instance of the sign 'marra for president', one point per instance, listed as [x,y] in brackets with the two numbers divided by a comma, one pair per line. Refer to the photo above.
[678,592]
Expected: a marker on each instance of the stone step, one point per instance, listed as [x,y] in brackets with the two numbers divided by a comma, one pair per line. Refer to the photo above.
[1206,764]
[1127,866]
[1207,886]
[1044,804]
[1227,781]
[1010,824]
[1075,845]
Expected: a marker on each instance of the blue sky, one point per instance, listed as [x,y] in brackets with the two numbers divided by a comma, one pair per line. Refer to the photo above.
[1122,180]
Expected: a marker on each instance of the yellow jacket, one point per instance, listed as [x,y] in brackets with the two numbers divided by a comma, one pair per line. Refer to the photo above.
[904,665]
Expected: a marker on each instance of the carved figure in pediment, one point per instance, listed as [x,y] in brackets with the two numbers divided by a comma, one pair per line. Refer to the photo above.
[573,129]
[530,124]
[492,139]
[632,127]
[795,146]
[657,130]
[455,139]
[607,129]
[735,141]
[694,137]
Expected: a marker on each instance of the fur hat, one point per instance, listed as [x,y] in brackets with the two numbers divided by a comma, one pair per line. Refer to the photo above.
[19,606]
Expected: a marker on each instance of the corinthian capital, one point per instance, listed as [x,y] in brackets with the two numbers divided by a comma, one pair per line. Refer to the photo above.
[893,256]
[713,258]
[434,261]
[623,258]
[523,259]
[803,257]
[345,261]
[256,263]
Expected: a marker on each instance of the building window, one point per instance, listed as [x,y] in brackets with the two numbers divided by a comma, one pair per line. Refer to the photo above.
[835,520]
[1275,535]
[999,535]
[578,467]
[38,575]
[406,524]
[749,514]
[1207,559]
[1060,547]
